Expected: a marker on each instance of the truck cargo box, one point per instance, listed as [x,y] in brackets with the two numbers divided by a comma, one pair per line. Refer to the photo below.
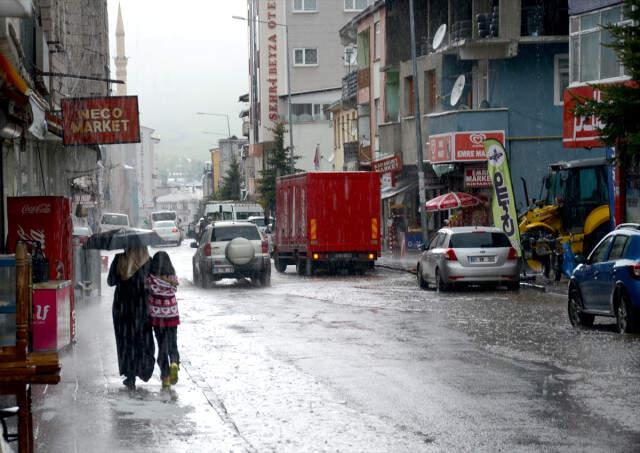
[327,220]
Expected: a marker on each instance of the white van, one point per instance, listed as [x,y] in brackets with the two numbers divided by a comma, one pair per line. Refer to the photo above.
[232,210]
[113,221]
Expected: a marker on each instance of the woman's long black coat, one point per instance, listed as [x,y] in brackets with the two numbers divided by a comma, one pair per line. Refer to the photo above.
[134,337]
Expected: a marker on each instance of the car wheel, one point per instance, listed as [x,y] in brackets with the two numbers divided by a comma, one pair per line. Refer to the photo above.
[308,267]
[279,264]
[422,283]
[574,307]
[196,274]
[626,318]
[265,279]
[513,286]
[441,285]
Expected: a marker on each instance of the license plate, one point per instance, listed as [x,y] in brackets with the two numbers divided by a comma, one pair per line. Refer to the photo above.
[223,270]
[482,259]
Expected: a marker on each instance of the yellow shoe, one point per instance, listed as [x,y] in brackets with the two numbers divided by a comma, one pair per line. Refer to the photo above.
[166,383]
[173,373]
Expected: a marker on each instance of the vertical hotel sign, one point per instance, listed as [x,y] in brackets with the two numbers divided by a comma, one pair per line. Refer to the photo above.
[272,45]
[100,120]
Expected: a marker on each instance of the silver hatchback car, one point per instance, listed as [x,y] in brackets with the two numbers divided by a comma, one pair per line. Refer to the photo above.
[469,255]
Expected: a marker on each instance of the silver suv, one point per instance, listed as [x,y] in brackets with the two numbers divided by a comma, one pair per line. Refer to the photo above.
[231,250]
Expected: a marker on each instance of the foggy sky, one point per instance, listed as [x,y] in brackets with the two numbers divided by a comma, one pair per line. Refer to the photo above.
[184,57]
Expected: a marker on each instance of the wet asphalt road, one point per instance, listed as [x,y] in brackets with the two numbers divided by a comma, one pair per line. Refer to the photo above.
[311,360]
[360,364]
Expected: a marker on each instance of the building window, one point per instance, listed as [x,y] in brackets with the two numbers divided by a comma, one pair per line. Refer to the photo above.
[560,77]
[363,49]
[590,59]
[355,5]
[304,6]
[377,40]
[430,91]
[301,113]
[350,56]
[305,57]
[392,96]
[409,102]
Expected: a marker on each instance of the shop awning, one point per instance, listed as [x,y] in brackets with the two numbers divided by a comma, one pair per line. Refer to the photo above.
[389,192]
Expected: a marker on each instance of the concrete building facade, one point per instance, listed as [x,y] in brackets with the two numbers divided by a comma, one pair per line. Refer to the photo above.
[316,64]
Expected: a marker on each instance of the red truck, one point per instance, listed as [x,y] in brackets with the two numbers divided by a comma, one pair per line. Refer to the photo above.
[328,221]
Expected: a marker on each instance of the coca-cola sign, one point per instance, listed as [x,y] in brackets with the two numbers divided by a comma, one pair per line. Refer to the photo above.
[40,208]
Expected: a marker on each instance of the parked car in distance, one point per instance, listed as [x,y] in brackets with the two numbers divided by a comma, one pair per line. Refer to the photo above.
[608,282]
[260,222]
[468,255]
[266,228]
[82,232]
[113,221]
[230,249]
[168,231]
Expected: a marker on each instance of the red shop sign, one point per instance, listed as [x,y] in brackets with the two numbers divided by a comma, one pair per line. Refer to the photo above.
[439,148]
[580,131]
[100,121]
[477,177]
[469,146]
[388,164]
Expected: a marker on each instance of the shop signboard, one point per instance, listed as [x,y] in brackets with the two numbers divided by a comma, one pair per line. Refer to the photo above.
[440,148]
[388,164]
[469,146]
[100,120]
[476,177]
[503,202]
[580,131]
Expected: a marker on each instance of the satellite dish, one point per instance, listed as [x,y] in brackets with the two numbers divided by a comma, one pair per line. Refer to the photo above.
[439,36]
[458,88]
[332,158]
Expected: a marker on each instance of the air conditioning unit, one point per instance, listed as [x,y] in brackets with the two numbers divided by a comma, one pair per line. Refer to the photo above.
[16,8]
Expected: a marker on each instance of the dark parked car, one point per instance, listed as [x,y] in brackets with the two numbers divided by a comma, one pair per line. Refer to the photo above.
[608,283]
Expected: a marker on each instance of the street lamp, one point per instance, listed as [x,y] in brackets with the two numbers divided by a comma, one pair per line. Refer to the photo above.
[219,114]
[286,39]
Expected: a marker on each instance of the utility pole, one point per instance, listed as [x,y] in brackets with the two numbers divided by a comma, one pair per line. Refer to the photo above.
[418,120]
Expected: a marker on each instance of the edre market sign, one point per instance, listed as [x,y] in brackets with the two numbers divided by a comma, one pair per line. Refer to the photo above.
[388,164]
[477,177]
[461,146]
[100,121]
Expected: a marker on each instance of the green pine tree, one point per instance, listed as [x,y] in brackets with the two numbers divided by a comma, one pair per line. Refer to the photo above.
[619,106]
[230,189]
[279,163]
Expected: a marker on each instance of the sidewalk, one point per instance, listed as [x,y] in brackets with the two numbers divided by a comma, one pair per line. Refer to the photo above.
[407,262]
[90,409]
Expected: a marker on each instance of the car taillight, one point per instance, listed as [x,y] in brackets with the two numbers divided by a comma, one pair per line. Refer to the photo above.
[450,255]
[513,254]
[207,249]
[174,230]
[265,246]
[635,270]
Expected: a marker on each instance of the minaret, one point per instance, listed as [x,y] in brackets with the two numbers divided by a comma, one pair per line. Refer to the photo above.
[120,59]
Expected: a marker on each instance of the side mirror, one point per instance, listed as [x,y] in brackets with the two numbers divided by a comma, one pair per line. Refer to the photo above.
[580,259]
[193,245]
[423,247]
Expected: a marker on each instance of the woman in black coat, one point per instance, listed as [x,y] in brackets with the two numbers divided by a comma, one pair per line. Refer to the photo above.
[134,337]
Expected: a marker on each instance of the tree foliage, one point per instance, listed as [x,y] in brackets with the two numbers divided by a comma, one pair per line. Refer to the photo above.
[280,162]
[230,189]
[619,105]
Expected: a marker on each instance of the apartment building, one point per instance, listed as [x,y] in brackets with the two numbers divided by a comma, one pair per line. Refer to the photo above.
[314,66]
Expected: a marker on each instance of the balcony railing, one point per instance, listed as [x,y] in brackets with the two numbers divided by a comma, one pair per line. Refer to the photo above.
[350,86]
[351,152]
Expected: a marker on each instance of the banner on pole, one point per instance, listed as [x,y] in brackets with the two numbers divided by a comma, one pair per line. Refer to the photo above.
[503,202]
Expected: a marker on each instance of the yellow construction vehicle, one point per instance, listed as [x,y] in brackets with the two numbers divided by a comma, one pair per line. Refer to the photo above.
[573,209]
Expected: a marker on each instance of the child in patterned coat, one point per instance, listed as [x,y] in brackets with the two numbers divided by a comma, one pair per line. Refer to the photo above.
[163,316]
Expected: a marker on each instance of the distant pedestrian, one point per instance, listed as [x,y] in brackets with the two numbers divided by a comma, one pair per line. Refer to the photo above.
[134,337]
[163,316]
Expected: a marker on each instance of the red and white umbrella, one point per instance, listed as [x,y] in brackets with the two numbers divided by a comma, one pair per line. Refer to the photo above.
[453,200]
